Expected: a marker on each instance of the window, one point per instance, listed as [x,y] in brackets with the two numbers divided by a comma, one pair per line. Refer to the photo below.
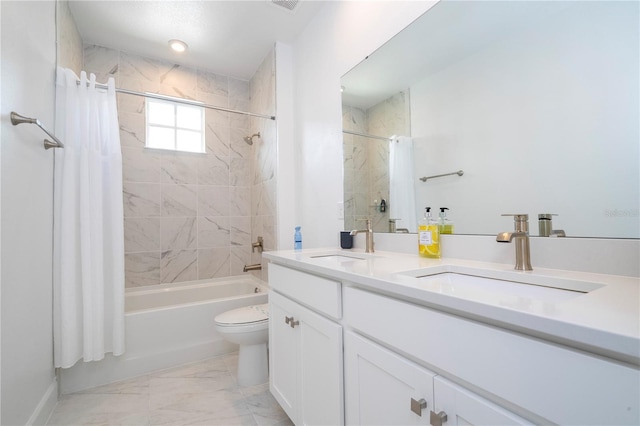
[174,126]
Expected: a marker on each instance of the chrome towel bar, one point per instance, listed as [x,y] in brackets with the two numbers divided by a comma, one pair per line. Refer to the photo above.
[459,173]
[19,119]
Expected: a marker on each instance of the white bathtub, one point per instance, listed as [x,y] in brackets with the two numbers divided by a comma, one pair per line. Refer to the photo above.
[168,325]
[180,295]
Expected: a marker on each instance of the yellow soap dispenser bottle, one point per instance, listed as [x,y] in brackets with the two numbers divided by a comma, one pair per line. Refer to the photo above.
[429,236]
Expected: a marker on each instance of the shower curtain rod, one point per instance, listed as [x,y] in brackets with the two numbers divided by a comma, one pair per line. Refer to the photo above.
[183,101]
[367,136]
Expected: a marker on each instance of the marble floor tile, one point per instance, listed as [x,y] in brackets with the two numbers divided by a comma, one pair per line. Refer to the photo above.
[135,386]
[263,406]
[202,393]
[181,418]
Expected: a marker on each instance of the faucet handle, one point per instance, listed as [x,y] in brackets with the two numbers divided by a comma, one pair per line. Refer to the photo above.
[520,221]
[546,216]
[517,216]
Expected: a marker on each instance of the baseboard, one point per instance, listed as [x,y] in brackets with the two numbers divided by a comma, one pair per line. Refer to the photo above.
[45,407]
[86,375]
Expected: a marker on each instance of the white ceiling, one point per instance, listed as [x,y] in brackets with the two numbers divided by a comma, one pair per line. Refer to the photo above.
[225,37]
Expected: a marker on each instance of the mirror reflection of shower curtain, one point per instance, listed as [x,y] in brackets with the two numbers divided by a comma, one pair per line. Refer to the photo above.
[88,242]
[402,198]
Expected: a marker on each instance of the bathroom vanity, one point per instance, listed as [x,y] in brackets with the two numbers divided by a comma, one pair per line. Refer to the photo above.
[389,338]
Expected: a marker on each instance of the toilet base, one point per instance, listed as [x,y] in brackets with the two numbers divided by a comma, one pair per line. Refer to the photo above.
[253,365]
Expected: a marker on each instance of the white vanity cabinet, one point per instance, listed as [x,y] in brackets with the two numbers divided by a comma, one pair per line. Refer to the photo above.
[305,347]
[383,388]
[547,382]
[409,359]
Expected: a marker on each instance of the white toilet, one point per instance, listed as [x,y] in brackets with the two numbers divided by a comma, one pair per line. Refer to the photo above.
[249,328]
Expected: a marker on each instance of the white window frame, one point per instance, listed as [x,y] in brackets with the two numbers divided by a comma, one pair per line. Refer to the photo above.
[149,143]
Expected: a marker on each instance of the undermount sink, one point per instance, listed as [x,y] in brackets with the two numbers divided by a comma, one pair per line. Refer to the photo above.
[504,285]
[337,257]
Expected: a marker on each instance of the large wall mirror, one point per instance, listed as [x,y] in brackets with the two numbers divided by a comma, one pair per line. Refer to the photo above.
[536,104]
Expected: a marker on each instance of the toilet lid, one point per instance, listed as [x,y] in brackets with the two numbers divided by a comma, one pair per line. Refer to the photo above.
[245,315]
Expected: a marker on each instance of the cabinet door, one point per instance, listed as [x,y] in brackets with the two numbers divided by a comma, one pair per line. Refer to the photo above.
[321,372]
[284,354]
[463,407]
[382,388]
[305,357]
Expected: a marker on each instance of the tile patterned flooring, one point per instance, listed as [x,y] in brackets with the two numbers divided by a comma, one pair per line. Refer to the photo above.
[202,393]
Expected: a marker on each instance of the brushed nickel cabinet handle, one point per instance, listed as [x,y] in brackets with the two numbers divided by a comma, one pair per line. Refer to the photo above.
[291,322]
[418,406]
[436,419]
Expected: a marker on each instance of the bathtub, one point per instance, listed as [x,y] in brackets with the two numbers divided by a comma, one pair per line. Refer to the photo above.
[168,325]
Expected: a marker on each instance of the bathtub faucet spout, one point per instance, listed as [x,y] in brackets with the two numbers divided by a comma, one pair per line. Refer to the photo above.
[254,267]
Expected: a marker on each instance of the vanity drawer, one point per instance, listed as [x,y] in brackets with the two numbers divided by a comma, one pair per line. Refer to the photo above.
[557,383]
[320,294]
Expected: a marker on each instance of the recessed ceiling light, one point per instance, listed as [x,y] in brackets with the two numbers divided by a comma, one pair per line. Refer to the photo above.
[178,45]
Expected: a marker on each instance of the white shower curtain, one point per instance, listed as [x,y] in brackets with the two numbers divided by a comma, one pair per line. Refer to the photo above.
[402,200]
[88,223]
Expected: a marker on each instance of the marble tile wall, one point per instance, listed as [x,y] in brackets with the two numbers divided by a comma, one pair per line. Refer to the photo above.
[69,47]
[366,161]
[263,181]
[357,187]
[187,216]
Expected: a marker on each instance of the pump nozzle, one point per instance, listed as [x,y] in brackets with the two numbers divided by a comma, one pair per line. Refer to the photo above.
[446,226]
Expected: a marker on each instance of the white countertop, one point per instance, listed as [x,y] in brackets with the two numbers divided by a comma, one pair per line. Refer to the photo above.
[605,319]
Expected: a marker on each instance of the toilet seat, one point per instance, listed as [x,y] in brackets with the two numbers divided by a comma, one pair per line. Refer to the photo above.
[245,316]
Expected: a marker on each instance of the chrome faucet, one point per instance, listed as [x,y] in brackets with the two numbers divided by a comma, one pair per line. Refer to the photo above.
[521,237]
[369,231]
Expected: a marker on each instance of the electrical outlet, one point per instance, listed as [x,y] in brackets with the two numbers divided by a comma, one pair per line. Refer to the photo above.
[340,210]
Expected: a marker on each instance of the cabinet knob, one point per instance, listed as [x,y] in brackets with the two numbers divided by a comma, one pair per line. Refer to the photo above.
[436,419]
[418,406]
[287,320]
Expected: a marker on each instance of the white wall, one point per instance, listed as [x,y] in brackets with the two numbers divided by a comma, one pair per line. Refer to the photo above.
[1,222]
[341,35]
[28,67]
[538,126]
[285,191]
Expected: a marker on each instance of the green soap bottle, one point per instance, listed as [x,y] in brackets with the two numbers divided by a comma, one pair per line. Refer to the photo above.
[446,225]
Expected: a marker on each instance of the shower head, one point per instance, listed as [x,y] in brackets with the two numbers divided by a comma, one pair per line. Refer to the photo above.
[249,139]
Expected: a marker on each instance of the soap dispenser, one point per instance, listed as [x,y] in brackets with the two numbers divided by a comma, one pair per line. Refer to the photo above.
[446,225]
[429,236]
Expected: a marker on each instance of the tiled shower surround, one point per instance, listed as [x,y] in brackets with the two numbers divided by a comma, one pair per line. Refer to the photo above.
[366,160]
[193,216]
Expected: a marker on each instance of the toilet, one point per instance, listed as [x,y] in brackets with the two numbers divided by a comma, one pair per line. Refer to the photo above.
[248,327]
